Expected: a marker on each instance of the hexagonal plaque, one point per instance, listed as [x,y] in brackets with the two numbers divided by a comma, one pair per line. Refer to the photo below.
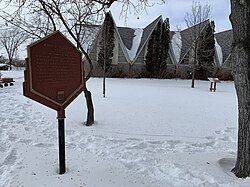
[54,72]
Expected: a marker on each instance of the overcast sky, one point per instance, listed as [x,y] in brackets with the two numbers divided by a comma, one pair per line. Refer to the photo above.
[175,10]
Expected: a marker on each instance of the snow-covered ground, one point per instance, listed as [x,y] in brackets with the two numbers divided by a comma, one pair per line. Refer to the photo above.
[147,133]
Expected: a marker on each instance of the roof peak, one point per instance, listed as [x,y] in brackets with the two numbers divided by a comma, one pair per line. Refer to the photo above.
[229,30]
[207,20]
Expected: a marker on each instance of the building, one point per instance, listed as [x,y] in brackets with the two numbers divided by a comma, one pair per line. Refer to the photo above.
[129,53]
[131,47]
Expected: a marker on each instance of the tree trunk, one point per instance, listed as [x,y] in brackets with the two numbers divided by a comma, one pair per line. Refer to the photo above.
[10,62]
[90,114]
[240,19]
[104,61]
[104,84]
[195,62]
[193,76]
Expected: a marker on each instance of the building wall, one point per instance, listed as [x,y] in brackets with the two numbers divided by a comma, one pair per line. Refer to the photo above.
[142,55]
[121,56]
[138,70]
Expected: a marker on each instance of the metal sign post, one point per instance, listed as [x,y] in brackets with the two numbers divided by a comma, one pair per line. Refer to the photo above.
[61,141]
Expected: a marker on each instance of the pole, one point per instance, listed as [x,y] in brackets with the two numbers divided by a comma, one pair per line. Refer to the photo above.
[194,65]
[61,140]
[214,86]
[211,87]
[104,59]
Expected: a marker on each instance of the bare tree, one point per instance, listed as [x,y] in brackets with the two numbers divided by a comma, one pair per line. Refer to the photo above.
[240,19]
[198,14]
[66,16]
[61,15]
[11,39]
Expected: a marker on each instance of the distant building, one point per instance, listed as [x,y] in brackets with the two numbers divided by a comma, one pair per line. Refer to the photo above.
[129,52]
[131,46]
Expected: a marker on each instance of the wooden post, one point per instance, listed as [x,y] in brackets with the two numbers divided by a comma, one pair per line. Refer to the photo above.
[61,139]
[211,87]
[214,86]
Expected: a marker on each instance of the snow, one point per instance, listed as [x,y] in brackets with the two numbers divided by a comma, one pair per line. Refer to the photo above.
[147,133]
[136,43]
[219,52]
[177,45]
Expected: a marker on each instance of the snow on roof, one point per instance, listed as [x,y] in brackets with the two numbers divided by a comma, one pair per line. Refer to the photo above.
[225,39]
[177,45]
[219,52]
[136,43]
[189,35]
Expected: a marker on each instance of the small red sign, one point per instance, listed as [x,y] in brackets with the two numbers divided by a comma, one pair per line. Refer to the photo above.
[54,72]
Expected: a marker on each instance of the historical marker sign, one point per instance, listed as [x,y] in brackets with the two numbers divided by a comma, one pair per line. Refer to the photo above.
[54,73]
[54,77]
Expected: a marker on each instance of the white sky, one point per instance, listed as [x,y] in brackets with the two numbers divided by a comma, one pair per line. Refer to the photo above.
[175,10]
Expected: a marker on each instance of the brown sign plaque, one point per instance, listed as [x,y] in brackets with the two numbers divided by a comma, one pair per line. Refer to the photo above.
[54,72]
[54,77]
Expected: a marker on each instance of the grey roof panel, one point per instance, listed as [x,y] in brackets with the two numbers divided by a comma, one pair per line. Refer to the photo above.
[147,31]
[127,36]
[189,35]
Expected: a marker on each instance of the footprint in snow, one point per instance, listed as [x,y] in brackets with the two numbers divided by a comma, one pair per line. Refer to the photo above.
[11,158]
[155,142]
[141,145]
[43,145]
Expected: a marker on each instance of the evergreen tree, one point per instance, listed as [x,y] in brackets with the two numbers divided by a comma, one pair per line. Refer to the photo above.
[206,48]
[149,57]
[106,44]
[157,52]
[165,40]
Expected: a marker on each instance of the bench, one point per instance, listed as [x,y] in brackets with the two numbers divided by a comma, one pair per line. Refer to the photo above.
[213,82]
[6,81]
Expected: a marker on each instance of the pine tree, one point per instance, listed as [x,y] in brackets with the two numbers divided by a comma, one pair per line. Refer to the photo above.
[206,48]
[150,56]
[157,52]
[165,40]
[106,44]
